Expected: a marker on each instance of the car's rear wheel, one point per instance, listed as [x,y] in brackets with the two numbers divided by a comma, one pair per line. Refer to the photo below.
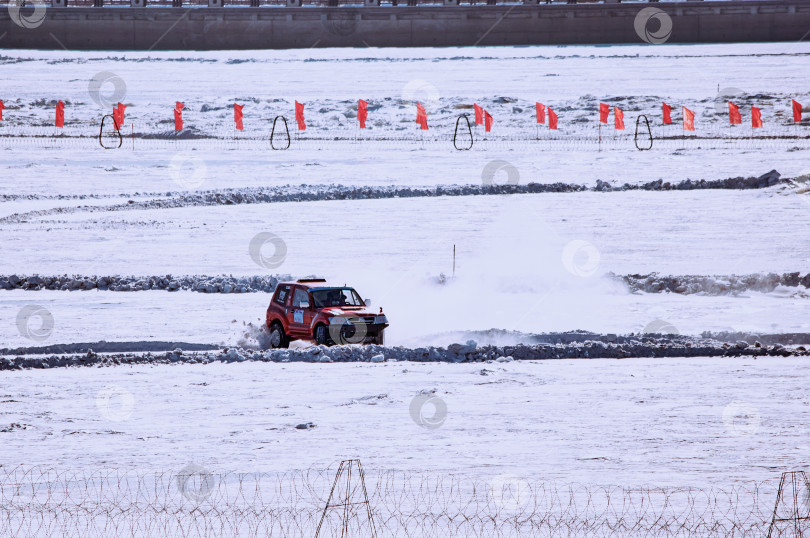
[380,338]
[278,339]
[321,335]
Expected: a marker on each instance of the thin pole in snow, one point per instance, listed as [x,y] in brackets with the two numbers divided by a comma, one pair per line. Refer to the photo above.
[600,136]
[454,260]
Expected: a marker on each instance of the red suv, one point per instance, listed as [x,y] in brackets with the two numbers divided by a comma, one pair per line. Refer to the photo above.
[309,309]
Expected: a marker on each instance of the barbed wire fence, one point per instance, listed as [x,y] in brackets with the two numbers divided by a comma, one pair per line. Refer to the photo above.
[574,138]
[43,502]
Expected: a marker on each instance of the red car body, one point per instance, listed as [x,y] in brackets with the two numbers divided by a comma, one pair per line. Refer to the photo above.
[310,309]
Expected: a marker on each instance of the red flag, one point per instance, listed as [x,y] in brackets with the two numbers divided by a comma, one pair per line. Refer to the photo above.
[552,119]
[756,117]
[421,116]
[362,113]
[797,111]
[237,116]
[299,116]
[2,106]
[60,114]
[688,120]
[178,116]
[618,118]
[487,121]
[541,112]
[667,114]
[479,114]
[118,115]
[604,110]
[734,114]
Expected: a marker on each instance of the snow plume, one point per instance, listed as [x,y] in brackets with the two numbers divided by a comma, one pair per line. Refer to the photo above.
[531,280]
[254,335]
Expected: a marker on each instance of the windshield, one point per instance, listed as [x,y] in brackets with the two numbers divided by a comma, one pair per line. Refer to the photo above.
[336,297]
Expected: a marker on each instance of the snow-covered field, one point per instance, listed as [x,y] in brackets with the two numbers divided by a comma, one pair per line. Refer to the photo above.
[634,422]
[525,262]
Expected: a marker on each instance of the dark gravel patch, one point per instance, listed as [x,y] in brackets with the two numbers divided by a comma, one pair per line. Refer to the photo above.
[587,346]
[311,193]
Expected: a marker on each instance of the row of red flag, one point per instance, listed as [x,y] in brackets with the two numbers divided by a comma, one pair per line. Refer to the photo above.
[734,115]
[482,116]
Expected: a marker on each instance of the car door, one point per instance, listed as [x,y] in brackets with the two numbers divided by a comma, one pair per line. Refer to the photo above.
[278,306]
[300,314]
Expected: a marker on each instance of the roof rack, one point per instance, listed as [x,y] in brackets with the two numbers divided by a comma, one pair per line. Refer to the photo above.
[311,280]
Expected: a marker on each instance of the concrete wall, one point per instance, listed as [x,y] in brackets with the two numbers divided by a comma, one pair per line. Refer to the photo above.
[159,28]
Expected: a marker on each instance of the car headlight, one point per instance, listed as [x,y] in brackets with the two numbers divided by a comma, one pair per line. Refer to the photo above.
[338,320]
[379,320]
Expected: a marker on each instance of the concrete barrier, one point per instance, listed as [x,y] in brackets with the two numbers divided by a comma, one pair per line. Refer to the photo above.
[207,28]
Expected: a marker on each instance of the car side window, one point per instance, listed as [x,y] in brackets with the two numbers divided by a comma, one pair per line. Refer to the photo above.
[281,296]
[300,296]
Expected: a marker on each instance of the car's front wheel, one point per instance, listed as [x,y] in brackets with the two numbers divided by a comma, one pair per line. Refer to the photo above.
[321,335]
[380,338]
[278,339]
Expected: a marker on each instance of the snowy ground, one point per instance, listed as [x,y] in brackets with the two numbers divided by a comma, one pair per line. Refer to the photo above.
[633,422]
[529,262]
